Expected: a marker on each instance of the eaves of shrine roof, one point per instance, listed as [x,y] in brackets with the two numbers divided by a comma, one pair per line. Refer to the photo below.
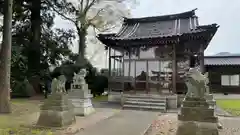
[161,18]
[166,26]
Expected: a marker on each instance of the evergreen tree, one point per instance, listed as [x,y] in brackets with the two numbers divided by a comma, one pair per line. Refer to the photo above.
[5,58]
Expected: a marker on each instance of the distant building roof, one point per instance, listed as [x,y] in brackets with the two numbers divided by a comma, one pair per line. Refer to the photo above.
[227,54]
[222,60]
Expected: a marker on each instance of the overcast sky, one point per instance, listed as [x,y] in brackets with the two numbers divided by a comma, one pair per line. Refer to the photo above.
[226,13]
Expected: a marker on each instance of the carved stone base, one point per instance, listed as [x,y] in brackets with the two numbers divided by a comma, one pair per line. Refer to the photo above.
[197,118]
[197,128]
[210,100]
[194,109]
[82,107]
[56,111]
[84,111]
[81,100]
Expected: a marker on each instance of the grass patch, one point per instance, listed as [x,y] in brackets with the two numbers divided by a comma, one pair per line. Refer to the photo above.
[24,112]
[100,98]
[25,131]
[230,105]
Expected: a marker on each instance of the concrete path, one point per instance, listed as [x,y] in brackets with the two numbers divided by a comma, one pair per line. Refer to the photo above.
[229,96]
[126,122]
[220,112]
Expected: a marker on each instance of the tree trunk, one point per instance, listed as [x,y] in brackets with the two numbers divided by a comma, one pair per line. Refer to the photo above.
[82,33]
[34,48]
[5,58]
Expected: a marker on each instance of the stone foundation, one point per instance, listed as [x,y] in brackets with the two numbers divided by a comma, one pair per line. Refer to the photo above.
[196,128]
[56,111]
[114,97]
[197,118]
[81,99]
[210,100]
[82,107]
[172,102]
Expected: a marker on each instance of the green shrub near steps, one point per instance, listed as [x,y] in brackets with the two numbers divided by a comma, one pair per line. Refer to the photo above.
[99,84]
[22,89]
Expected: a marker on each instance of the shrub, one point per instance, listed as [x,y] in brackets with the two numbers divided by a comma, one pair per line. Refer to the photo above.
[225,93]
[22,89]
[99,84]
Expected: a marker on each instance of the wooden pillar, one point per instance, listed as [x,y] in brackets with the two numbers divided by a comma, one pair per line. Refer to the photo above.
[109,67]
[201,59]
[123,66]
[159,77]
[114,60]
[174,69]
[147,78]
[135,74]
[129,63]
[109,62]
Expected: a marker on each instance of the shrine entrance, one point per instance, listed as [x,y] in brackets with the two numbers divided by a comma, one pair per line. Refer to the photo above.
[148,76]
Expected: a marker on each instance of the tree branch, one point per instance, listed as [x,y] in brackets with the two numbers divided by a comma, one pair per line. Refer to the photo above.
[89,5]
[61,14]
[99,11]
[81,5]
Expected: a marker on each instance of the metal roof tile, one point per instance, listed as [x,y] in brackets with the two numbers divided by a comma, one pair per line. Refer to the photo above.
[224,60]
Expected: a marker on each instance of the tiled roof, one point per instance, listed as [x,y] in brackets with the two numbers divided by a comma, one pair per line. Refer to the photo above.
[161,18]
[159,27]
[221,60]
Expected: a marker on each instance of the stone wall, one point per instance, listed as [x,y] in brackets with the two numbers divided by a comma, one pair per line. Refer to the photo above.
[114,97]
[180,98]
[172,102]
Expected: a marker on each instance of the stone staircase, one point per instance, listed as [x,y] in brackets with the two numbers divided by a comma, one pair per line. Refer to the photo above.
[144,102]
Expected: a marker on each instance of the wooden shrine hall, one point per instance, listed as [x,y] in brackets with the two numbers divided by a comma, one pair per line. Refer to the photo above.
[151,54]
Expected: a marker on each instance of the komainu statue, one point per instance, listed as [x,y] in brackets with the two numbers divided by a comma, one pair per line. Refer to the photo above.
[58,85]
[79,78]
[196,83]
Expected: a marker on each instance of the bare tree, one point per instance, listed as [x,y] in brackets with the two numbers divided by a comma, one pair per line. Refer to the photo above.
[5,58]
[101,15]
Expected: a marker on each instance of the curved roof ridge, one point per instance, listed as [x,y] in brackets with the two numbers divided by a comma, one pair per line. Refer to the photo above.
[186,14]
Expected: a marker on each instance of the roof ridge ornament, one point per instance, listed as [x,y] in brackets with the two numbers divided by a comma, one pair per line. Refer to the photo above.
[195,9]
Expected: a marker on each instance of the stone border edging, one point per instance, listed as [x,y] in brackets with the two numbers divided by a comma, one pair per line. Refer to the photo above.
[230,116]
[149,129]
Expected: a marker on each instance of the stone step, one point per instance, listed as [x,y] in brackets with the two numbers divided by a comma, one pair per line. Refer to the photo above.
[145,96]
[146,103]
[211,119]
[145,99]
[191,111]
[162,108]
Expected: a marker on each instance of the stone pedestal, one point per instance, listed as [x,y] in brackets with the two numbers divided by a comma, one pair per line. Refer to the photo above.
[197,118]
[80,97]
[210,100]
[56,111]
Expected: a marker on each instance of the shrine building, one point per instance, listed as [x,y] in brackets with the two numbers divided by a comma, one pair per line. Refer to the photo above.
[149,55]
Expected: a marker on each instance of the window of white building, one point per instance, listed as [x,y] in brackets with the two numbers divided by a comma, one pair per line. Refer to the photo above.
[230,80]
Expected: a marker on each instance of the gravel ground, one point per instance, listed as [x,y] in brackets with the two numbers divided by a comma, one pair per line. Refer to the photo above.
[167,125]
